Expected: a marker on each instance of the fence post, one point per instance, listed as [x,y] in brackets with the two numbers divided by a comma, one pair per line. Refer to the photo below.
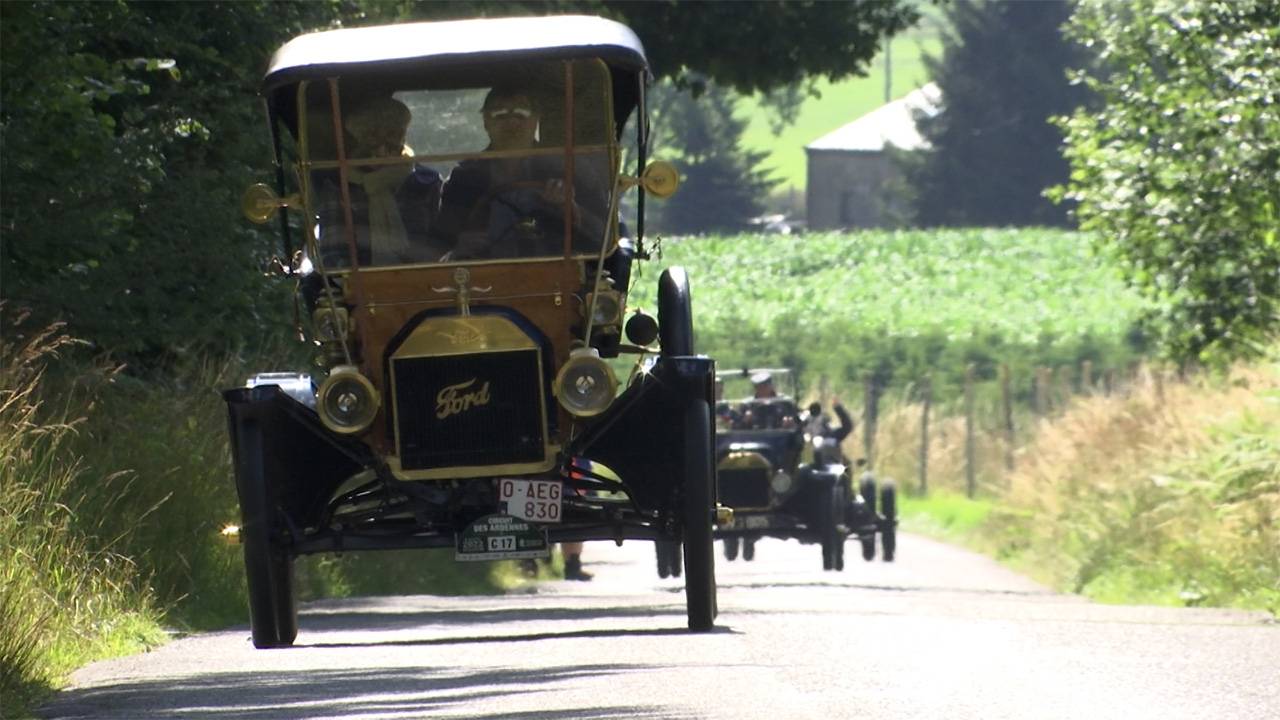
[1043,378]
[970,472]
[926,390]
[1086,377]
[1062,389]
[870,408]
[1006,410]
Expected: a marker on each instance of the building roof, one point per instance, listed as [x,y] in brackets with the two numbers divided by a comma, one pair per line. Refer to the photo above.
[890,124]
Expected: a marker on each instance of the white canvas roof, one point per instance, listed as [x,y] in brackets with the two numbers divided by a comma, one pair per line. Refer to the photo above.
[890,124]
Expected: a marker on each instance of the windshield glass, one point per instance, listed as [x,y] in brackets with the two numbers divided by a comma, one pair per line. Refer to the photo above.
[491,168]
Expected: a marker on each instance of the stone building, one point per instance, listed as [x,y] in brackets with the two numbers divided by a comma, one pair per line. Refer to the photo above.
[851,181]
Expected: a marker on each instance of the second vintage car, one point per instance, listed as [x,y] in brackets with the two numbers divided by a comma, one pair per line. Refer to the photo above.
[784,474]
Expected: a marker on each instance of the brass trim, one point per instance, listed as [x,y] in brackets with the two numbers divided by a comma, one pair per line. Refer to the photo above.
[748,460]
[745,460]
[472,471]
[467,335]
[337,375]
[578,358]
[463,335]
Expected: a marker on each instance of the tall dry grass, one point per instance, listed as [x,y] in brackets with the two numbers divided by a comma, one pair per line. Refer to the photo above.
[1164,491]
[1172,489]
[64,598]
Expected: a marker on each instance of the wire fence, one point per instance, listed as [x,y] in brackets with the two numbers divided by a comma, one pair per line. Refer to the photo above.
[969,438]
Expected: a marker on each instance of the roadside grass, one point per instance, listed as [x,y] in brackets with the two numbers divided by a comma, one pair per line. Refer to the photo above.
[113,490]
[943,514]
[1168,494]
[66,598]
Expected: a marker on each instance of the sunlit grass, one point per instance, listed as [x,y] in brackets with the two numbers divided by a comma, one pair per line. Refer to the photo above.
[1166,494]
[66,596]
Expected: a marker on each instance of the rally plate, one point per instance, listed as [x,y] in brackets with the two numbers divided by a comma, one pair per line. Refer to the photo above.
[502,537]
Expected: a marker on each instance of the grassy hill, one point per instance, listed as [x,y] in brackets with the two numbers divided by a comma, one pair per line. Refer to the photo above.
[839,103]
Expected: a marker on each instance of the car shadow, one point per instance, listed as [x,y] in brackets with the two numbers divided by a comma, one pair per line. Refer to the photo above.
[764,584]
[331,618]
[317,694]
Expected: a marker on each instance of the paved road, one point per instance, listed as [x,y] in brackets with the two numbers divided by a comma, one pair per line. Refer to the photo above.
[941,633]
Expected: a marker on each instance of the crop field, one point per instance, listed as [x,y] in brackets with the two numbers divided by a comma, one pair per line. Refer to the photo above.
[904,303]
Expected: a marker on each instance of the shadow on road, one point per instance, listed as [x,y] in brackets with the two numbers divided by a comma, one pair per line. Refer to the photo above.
[329,617]
[761,584]
[426,642]
[356,693]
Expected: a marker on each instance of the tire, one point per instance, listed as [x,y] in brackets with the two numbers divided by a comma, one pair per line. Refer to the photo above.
[674,559]
[664,558]
[868,547]
[699,545]
[731,548]
[832,538]
[867,489]
[273,607]
[675,333]
[748,549]
[889,520]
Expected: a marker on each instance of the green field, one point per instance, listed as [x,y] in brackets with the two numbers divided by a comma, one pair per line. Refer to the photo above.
[903,302]
[840,103]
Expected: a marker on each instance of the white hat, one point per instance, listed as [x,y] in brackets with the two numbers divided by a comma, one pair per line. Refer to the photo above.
[761,377]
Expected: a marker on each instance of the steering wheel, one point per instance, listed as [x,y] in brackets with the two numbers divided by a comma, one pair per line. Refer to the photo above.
[523,220]
[487,199]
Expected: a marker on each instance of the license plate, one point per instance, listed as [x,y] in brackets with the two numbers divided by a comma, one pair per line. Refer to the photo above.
[535,500]
[743,521]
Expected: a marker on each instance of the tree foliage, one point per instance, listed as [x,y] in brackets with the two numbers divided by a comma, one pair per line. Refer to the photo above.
[130,129]
[722,184]
[129,132]
[1003,75]
[1178,170]
[749,46]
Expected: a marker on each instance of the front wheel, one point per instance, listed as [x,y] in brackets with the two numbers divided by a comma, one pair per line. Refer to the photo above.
[731,549]
[699,503]
[832,536]
[675,332]
[888,520]
[273,607]
[664,558]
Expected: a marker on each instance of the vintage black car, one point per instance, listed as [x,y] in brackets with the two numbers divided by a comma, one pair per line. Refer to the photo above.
[781,469]
[453,192]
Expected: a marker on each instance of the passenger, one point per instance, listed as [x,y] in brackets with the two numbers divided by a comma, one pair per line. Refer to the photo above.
[818,425]
[513,206]
[726,416]
[392,206]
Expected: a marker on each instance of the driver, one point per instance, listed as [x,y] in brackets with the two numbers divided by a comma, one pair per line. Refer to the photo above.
[393,205]
[509,206]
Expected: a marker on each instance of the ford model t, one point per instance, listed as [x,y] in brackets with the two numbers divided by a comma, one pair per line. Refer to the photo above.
[782,471]
[453,192]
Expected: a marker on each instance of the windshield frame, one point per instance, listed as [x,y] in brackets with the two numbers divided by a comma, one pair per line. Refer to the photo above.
[568,149]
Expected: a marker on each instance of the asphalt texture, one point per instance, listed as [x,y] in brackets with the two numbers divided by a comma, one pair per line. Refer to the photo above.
[940,633]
